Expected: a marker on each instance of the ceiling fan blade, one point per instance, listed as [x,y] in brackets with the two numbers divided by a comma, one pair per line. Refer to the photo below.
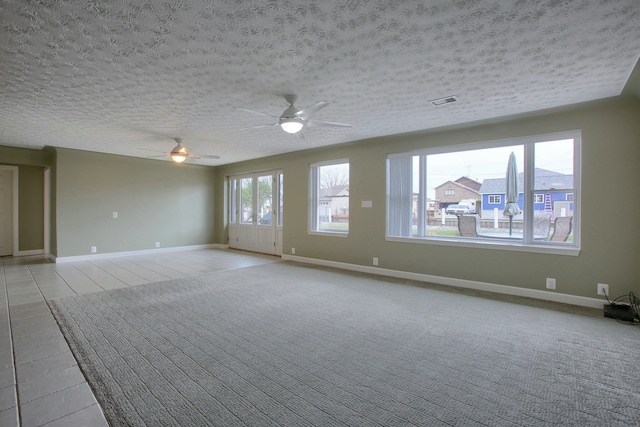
[260,126]
[149,149]
[308,112]
[255,112]
[205,156]
[323,123]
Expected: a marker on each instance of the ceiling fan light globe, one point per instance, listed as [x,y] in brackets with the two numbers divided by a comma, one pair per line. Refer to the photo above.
[293,125]
[179,153]
[178,157]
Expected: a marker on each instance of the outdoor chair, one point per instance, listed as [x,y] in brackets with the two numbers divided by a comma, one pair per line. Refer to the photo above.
[468,225]
[561,229]
[541,226]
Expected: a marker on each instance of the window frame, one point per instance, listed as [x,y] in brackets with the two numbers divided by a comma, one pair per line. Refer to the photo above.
[314,196]
[527,244]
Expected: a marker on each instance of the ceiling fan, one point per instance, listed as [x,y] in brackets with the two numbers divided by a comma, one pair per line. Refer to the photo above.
[293,120]
[180,153]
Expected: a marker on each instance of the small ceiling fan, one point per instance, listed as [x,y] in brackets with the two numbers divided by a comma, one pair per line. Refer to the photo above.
[293,120]
[180,153]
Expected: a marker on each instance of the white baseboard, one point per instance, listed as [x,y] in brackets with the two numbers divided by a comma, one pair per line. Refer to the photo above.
[29,253]
[60,260]
[459,283]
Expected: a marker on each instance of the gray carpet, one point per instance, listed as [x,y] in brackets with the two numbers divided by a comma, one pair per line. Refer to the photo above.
[290,345]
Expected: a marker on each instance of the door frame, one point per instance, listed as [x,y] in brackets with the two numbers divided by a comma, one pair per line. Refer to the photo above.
[235,229]
[15,211]
[15,241]
[47,211]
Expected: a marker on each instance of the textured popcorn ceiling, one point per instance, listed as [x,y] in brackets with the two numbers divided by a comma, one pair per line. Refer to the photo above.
[127,75]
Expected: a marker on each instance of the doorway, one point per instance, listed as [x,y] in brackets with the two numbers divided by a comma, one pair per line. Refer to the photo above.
[256,212]
[8,210]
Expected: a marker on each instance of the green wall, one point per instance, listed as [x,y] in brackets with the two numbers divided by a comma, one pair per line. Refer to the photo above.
[31,207]
[184,205]
[31,166]
[610,177]
[156,201]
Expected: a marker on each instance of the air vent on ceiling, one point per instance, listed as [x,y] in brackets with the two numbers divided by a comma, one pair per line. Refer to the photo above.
[442,101]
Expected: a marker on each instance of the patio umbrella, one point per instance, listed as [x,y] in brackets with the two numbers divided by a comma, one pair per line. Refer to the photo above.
[511,207]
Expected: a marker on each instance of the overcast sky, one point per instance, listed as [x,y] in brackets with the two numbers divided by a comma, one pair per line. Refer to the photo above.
[479,165]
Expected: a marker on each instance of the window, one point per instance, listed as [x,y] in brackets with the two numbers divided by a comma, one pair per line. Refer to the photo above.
[264,207]
[449,192]
[548,187]
[329,197]
[280,197]
[252,198]
[246,206]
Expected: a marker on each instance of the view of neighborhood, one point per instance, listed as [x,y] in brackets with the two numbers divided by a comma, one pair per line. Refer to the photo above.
[553,197]
[432,201]
[425,198]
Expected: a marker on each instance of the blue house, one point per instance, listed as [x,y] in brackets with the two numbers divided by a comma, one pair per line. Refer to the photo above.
[553,195]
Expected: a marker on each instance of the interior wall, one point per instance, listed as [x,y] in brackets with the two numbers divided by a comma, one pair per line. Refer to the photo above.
[156,201]
[31,165]
[31,207]
[610,178]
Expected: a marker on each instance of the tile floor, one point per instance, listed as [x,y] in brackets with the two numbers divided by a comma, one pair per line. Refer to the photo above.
[40,381]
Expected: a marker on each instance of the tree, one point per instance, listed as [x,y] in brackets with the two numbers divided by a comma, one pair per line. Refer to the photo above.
[333,175]
[265,194]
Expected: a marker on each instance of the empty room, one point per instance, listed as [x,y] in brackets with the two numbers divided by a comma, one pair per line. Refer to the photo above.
[294,213]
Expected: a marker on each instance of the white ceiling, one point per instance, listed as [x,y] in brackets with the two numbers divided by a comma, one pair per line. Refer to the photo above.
[122,76]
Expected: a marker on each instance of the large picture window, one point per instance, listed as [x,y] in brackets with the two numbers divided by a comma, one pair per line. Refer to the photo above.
[329,197]
[536,205]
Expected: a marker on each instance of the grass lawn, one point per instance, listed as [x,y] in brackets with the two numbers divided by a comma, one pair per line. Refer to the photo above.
[431,231]
[334,226]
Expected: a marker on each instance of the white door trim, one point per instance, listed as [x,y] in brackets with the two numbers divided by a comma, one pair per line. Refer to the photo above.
[47,210]
[249,236]
[14,207]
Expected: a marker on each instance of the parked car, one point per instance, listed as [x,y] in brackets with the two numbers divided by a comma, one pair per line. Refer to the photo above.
[460,209]
[266,219]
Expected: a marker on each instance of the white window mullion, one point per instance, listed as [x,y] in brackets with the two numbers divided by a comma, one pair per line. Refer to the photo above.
[528,191]
[422,196]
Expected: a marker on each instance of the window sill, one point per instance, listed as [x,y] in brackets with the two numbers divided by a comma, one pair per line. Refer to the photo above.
[500,245]
[327,233]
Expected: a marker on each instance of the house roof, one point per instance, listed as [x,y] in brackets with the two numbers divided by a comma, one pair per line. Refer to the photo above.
[126,77]
[544,180]
[336,190]
[458,184]
[468,182]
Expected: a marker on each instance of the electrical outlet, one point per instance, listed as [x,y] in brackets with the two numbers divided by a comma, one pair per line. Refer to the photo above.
[293,251]
[551,283]
[375,260]
[157,244]
[115,215]
[94,249]
[603,289]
